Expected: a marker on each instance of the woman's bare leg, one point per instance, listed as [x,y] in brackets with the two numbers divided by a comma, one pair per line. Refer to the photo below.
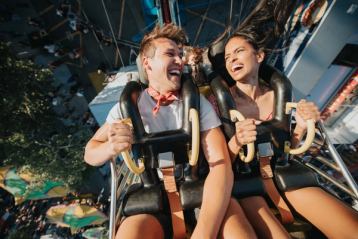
[262,219]
[327,213]
[140,226]
[235,223]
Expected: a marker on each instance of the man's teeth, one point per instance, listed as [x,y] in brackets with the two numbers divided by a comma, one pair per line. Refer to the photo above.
[174,72]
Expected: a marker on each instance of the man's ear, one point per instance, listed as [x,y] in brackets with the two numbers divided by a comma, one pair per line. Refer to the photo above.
[146,64]
[260,56]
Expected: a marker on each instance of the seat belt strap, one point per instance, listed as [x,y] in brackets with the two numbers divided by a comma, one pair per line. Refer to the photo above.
[267,175]
[178,223]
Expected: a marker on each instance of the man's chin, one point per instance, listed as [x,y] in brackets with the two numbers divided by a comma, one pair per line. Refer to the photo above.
[176,88]
[175,84]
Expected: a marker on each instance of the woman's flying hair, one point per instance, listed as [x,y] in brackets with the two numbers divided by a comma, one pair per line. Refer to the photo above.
[266,23]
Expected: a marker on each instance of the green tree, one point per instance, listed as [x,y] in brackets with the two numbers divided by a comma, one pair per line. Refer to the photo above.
[31,135]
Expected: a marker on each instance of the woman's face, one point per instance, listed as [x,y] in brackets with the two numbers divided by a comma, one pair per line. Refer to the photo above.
[242,61]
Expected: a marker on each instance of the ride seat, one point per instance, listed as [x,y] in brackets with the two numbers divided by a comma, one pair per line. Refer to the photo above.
[276,131]
[149,195]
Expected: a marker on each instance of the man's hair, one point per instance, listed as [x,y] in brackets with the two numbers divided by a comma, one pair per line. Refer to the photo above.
[169,31]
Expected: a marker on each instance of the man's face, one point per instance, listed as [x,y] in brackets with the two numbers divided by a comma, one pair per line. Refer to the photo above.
[241,59]
[164,69]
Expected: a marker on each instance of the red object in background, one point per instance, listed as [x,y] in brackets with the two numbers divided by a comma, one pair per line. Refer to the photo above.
[166,12]
[341,96]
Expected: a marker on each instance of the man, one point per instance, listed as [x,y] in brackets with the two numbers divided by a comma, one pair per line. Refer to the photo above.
[161,110]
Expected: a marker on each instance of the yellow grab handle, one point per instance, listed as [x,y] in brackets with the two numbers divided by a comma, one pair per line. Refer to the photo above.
[130,163]
[195,136]
[309,136]
[236,115]
[126,156]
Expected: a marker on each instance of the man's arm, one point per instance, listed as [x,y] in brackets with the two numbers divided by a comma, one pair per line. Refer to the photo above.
[218,184]
[109,141]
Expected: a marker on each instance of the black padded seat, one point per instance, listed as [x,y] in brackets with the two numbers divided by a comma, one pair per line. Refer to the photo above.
[139,200]
[293,176]
[149,196]
[246,187]
[191,194]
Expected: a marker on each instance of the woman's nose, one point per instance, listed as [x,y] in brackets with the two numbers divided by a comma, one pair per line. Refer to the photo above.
[232,59]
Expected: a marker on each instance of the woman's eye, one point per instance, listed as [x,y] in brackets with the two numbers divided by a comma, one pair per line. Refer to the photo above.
[238,51]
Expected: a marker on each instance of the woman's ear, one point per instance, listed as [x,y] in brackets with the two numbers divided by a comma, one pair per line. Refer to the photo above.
[260,56]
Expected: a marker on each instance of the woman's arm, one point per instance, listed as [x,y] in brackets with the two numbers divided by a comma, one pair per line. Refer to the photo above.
[245,134]
[305,111]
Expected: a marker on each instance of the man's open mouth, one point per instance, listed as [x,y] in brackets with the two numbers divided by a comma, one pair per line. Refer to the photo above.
[175,73]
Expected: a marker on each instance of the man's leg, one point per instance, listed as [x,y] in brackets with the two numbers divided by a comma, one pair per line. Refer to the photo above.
[327,213]
[140,226]
[266,225]
[235,223]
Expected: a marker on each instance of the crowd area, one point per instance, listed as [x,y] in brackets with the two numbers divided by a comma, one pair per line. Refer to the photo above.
[28,219]
[70,105]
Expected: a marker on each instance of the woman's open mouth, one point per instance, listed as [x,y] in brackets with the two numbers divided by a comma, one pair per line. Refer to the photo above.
[236,68]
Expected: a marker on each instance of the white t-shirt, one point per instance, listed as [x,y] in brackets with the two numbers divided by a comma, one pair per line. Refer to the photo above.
[169,117]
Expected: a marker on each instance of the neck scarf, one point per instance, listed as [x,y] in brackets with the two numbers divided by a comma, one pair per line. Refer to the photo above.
[161,99]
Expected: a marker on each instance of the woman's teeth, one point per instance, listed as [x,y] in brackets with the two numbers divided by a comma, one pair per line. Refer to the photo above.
[236,68]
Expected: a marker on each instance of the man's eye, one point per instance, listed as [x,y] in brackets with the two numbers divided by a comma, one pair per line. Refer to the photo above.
[170,54]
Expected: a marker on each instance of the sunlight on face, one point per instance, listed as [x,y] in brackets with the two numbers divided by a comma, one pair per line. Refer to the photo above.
[164,69]
[242,61]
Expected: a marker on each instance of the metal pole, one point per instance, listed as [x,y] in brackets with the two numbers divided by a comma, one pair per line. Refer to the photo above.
[113,35]
[332,180]
[333,152]
[203,18]
[206,18]
[112,215]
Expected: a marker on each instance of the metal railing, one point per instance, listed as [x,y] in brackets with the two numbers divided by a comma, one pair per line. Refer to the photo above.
[121,179]
[336,163]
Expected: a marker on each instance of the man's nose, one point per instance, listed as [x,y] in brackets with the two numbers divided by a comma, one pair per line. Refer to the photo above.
[178,60]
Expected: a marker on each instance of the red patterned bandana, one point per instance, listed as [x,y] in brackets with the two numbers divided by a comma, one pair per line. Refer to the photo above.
[161,99]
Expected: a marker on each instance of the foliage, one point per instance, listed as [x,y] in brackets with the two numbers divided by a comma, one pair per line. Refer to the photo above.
[31,135]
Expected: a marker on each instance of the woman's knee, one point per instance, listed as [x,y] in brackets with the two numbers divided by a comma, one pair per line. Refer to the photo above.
[334,218]
[235,223]
[138,225]
[266,225]
[254,201]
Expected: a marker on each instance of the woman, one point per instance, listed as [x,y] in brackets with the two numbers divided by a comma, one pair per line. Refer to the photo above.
[243,56]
